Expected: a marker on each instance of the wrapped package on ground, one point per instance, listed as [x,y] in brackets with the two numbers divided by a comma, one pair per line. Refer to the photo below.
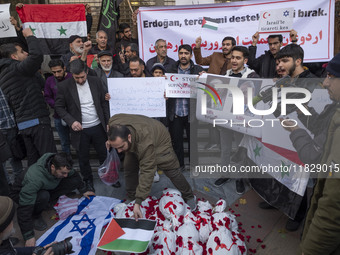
[163,241]
[220,206]
[172,205]
[223,242]
[119,210]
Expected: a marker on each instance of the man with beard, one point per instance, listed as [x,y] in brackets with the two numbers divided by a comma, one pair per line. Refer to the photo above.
[265,64]
[321,229]
[137,68]
[81,104]
[127,37]
[147,146]
[50,93]
[45,181]
[130,51]
[290,64]
[218,62]
[104,70]
[178,108]
[78,49]
[161,57]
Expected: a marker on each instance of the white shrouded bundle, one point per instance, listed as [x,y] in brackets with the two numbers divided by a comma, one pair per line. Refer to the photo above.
[222,242]
[182,232]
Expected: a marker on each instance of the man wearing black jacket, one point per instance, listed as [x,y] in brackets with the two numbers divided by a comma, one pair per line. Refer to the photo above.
[178,109]
[81,104]
[22,86]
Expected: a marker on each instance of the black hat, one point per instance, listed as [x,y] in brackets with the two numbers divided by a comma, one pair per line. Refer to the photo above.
[104,53]
[333,66]
[157,66]
[72,38]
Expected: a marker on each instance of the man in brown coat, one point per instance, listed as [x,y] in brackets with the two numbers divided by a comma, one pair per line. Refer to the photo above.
[147,146]
[218,62]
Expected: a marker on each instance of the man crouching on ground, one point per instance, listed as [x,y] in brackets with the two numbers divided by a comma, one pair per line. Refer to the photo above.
[147,146]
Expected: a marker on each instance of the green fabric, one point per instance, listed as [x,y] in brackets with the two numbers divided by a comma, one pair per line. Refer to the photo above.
[126,245]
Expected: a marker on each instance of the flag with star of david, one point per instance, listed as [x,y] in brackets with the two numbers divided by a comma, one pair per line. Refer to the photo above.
[84,226]
[53,24]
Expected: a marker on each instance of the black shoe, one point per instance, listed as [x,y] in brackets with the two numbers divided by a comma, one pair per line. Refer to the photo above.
[240,187]
[116,185]
[40,224]
[89,185]
[219,182]
[265,205]
[292,225]
[14,240]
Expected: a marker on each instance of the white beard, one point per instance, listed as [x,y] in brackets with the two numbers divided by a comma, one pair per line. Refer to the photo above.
[107,69]
[78,50]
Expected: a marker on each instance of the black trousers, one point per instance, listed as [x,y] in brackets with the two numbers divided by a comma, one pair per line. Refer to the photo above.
[38,141]
[176,128]
[97,136]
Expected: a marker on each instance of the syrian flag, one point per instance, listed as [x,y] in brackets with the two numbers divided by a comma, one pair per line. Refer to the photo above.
[53,24]
[284,187]
[127,235]
[209,23]
[84,226]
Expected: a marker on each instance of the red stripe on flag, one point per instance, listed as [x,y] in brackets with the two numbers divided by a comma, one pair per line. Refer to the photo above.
[112,232]
[89,61]
[52,13]
[203,22]
[288,154]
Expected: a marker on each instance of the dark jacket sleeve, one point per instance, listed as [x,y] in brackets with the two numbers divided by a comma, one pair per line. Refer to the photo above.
[253,62]
[89,22]
[60,104]
[308,149]
[33,62]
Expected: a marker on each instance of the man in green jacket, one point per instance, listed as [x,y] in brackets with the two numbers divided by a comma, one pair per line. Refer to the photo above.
[46,180]
[147,146]
[321,233]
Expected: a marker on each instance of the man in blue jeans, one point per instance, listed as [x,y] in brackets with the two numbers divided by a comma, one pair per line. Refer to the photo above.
[50,93]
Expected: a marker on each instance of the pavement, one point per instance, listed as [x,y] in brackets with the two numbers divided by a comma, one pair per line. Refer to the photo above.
[265,228]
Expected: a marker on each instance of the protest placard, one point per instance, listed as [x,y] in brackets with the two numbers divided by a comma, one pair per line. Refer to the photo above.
[143,96]
[276,21]
[6,28]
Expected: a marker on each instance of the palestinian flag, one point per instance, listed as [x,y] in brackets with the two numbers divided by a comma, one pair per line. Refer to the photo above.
[284,187]
[53,24]
[127,235]
[91,61]
[209,23]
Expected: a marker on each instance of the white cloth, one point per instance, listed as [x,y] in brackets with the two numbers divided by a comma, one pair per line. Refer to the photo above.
[89,114]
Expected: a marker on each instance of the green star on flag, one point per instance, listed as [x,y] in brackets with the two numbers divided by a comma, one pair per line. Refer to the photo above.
[33,29]
[257,150]
[62,31]
[284,166]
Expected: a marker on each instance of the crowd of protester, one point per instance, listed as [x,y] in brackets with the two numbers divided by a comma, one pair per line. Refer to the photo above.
[81,118]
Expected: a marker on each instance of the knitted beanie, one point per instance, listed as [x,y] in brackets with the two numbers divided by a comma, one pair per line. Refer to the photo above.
[6,212]
[333,66]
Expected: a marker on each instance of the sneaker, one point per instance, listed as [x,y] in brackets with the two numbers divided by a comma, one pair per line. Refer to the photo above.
[156,177]
[116,185]
[192,203]
[240,187]
[40,224]
[265,205]
[292,225]
[219,182]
